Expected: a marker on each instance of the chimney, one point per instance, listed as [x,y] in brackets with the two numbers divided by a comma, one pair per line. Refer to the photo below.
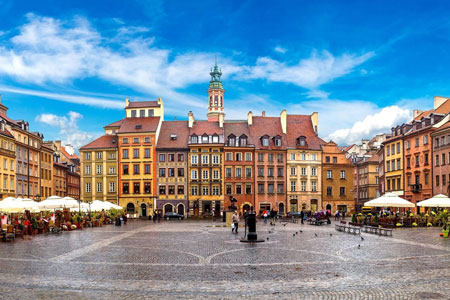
[191,119]
[283,120]
[263,113]
[250,118]
[127,102]
[221,117]
[416,112]
[438,101]
[315,122]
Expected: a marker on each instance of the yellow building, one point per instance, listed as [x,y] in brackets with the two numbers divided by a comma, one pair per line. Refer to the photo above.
[8,163]
[393,157]
[206,189]
[46,165]
[99,170]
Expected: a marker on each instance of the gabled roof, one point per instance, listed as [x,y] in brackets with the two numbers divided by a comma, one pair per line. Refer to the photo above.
[169,128]
[6,132]
[270,126]
[301,125]
[106,141]
[238,128]
[142,124]
[66,154]
[143,104]
[115,124]
[202,127]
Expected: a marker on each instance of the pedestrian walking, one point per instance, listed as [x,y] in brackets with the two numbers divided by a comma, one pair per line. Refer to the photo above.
[159,217]
[302,215]
[265,216]
[154,217]
[235,220]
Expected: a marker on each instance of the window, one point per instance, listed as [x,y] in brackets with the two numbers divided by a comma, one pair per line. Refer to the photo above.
[170,157]
[443,140]
[387,151]
[313,171]
[136,188]
[327,159]
[87,170]
[436,142]
[194,174]
[147,169]
[135,140]
[162,172]
[303,156]
[215,159]
[133,113]
[228,189]
[180,190]
[313,156]
[99,155]
[87,156]
[215,174]
[194,159]
[278,142]
[248,189]
[248,156]
[388,166]
[146,140]
[147,188]
[248,172]
[171,190]
[215,190]
[437,161]
[194,190]
[393,165]
[293,170]
[162,157]
[443,161]
[398,184]
[392,149]
[112,187]
[425,139]
[280,172]
[329,190]
[293,186]
[151,112]
[270,172]
[238,189]
[334,160]
[205,191]
[135,153]
[426,178]
[265,142]
[342,174]
[147,153]
[238,156]
[205,139]
[180,157]
[88,187]
[426,159]
[270,157]
[292,156]
[98,169]
[171,172]
[303,186]
[444,180]
[125,169]
[261,172]
[99,187]
[135,169]
[112,155]
[228,172]
[205,159]
[162,189]
[194,139]
[112,170]
[280,158]
[437,180]
[260,157]
[398,147]
[329,174]
[303,171]
[243,141]
[180,172]
[270,188]
[125,153]
[280,188]
[205,174]
[228,156]
[408,145]
[417,142]
[314,186]
[238,172]
[342,191]
[260,188]
[408,162]
[231,141]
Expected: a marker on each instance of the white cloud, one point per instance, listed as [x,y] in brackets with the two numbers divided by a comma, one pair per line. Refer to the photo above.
[310,73]
[280,49]
[68,128]
[380,122]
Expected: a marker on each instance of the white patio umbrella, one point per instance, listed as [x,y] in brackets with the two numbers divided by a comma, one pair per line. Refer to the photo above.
[436,201]
[389,200]
[54,197]
[98,205]
[19,205]
[55,202]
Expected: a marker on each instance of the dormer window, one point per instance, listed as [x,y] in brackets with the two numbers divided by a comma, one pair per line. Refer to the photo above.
[277,141]
[215,138]
[231,140]
[301,141]
[265,141]
[205,139]
[194,139]
[243,141]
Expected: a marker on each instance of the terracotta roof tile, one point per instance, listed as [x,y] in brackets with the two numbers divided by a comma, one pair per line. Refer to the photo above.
[301,125]
[238,128]
[168,128]
[106,141]
[66,154]
[116,123]
[136,125]
[270,126]
[202,127]
[140,104]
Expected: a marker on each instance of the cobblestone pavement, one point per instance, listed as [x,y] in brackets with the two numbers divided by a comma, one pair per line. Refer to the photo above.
[203,260]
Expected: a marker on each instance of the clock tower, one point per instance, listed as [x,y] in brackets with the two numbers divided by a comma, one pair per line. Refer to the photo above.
[215,95]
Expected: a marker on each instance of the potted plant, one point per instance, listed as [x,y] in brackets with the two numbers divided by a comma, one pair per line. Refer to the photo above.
[445,230]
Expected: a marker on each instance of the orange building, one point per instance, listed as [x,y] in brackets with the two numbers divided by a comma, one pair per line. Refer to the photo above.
[337,179]
[59,177]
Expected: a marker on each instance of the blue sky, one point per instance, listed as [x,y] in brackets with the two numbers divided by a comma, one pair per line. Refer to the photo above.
[67,66]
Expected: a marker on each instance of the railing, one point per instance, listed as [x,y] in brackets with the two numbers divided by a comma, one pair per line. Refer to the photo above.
[416,188]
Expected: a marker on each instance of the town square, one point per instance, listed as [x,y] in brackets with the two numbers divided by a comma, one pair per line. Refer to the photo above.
[224,150]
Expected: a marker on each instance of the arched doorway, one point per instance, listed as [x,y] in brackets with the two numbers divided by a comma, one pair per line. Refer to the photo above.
[245,208]
[281,208]
[180,209]
[329,206]
[130,208]
[314,205]
[143,210]
[168,208]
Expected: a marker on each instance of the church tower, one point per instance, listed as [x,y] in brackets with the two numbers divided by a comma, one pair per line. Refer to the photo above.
[215,95]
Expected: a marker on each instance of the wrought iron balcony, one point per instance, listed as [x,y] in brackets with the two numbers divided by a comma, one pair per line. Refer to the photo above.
[416,188]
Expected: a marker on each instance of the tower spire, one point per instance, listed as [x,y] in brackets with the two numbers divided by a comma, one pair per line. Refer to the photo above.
[215,93]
